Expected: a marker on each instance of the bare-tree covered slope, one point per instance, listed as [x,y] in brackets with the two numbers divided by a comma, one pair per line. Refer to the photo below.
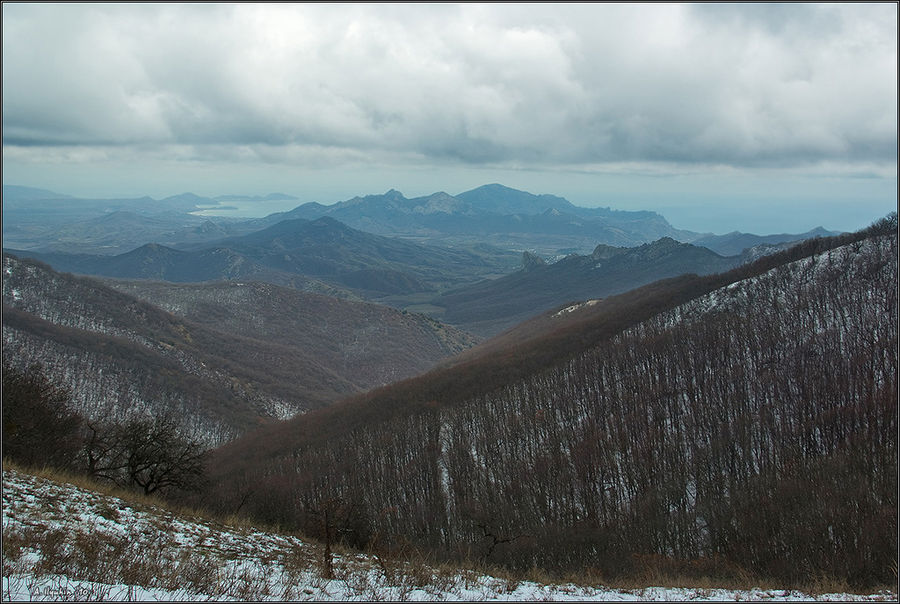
[120,355]
[368,343]
[745,421]
[121,549]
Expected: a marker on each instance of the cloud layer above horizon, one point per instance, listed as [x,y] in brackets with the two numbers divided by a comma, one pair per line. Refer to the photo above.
[573,84]
[604,88]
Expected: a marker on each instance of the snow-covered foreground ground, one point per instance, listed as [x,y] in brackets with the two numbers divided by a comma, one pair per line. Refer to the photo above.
[61,542]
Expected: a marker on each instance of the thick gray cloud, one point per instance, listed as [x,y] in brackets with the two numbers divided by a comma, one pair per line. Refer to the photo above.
[520,85]
[766,117]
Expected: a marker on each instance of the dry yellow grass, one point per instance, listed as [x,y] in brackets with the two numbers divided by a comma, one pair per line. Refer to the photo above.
[117,560]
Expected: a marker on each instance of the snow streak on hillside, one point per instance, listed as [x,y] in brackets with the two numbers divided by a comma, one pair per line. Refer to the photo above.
[61,542]
[786,284]
[749,430]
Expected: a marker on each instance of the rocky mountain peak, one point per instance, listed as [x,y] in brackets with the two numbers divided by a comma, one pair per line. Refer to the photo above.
[531,261]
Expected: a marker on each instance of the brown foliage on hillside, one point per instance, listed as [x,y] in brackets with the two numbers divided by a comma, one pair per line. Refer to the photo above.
[229,356]
[753,428]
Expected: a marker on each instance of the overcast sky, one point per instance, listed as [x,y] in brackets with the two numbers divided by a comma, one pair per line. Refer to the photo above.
[755,117]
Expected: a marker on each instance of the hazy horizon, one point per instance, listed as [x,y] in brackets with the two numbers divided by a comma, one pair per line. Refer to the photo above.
[762,118]
[692,214]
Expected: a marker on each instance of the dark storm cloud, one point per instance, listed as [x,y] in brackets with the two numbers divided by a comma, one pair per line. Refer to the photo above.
[539,85]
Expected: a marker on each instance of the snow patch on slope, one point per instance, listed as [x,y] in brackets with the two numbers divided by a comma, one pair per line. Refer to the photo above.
[575,307]
[249,564]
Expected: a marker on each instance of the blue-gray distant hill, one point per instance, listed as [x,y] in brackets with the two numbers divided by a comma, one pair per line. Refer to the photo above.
[42,220]
[15,194]
[301,253]
[30,200]
[508,218]
[736,242]
[45,221]
[488,307]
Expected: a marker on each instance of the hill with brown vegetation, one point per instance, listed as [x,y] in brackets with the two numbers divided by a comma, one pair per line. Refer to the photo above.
[238,354]
[66,538]
[370,344]
[738,424]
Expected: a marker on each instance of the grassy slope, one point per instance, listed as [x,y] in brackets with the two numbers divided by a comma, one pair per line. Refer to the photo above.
[64,537]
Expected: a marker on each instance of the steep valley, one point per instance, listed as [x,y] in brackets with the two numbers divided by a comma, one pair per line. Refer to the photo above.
[689,420]
[654,409]
[237,355]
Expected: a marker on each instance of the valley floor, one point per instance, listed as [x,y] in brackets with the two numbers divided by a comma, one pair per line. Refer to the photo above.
[62,542]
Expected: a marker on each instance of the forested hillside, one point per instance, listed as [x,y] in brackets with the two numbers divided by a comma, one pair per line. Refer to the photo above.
[237,355]
[125,548]
[370,344]
[743,422]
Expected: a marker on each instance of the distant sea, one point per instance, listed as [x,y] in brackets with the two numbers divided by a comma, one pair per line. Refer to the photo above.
[248,209]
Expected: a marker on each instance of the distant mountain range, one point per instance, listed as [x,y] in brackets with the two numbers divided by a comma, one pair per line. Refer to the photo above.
[509,218]
[734,243]
[550,226]
[304,254]
[15,194]
[409,253]
[37,219]
[490,306]
[475,287]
